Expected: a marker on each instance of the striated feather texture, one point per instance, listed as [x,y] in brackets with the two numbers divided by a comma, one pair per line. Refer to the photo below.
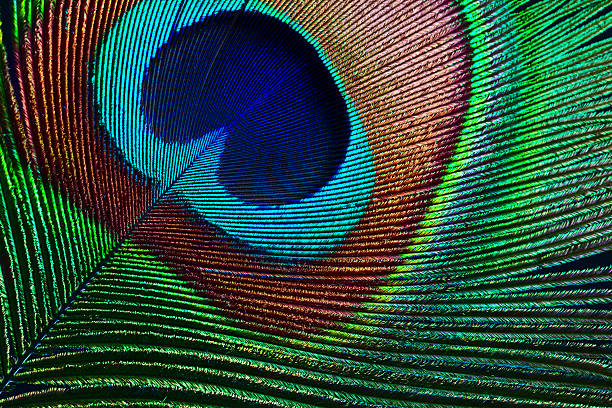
[306,203]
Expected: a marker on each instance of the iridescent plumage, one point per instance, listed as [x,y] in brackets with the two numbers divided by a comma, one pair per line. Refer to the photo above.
[307,203]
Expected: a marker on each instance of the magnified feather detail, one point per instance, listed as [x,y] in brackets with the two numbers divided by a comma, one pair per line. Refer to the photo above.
[354,203]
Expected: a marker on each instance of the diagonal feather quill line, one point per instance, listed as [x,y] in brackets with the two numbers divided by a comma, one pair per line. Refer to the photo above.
[71,299]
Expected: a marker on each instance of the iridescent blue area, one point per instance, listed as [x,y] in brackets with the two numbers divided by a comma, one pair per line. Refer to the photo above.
[259,137]
[285,121]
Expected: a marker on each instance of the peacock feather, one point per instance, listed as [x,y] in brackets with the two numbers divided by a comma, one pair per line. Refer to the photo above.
[306,203]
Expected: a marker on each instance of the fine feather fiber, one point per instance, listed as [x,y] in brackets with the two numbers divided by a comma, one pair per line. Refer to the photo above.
[272,203]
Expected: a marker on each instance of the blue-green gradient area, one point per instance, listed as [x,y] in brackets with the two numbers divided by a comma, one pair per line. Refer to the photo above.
[243,117]
[252,75]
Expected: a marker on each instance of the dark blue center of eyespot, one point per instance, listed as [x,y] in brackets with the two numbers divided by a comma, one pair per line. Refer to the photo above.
[286,122]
